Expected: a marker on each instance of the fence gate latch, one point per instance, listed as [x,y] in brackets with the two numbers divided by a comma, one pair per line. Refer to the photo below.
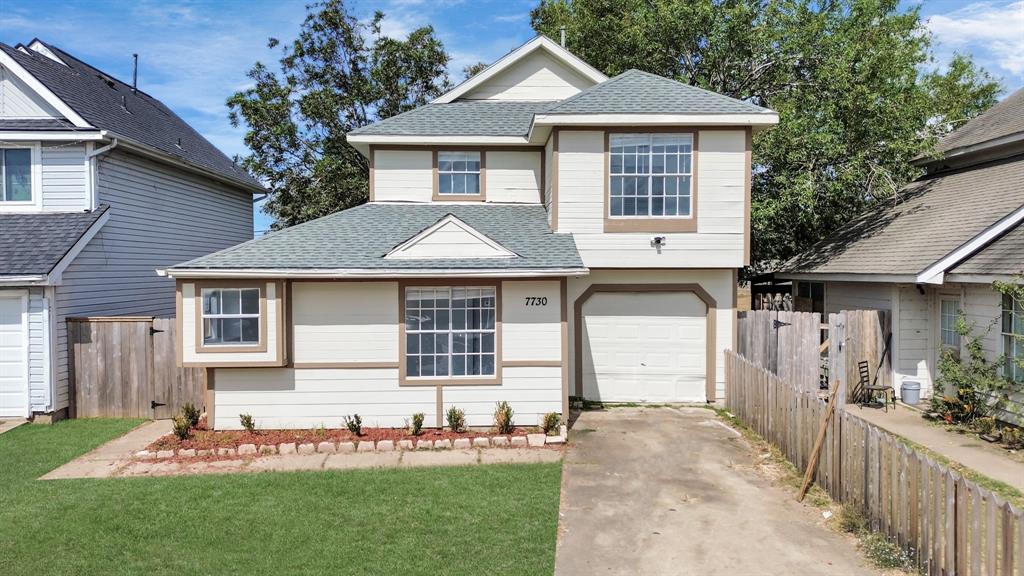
[778,324]
[154,330]
[153,403]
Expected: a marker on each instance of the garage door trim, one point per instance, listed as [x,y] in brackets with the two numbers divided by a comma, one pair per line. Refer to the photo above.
[695,289]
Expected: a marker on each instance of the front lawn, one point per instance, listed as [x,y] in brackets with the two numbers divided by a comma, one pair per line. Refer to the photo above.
[460,520]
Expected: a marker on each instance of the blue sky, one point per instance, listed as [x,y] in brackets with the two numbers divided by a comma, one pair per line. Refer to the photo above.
[194,54]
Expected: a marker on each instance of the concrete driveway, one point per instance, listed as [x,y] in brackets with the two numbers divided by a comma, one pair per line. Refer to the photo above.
[675,491]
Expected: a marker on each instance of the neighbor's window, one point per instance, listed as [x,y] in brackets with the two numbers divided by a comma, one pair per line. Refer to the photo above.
[810,297]
[450,331]
[651,175]
[948,312]
[15,175]
[458,173]
[1013,338]
[231,316]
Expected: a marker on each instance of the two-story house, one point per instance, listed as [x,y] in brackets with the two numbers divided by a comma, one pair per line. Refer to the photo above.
[100,183]
[541,231]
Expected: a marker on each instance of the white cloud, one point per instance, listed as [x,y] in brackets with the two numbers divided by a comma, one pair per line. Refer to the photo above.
[993,32]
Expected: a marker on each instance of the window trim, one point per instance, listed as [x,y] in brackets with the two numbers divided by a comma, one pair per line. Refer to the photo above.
[959,308]
[406,380]
[1003,335]
[36,180]
[201,346]
[681,224]
[438,197]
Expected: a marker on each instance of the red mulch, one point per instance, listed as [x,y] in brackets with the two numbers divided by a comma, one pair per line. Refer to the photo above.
[209,439]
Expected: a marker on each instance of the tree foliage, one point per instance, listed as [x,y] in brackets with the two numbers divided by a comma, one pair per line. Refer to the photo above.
[338,75]
[473,69]
[844,75]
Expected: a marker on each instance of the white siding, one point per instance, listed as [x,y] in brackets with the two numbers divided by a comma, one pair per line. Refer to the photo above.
[539,76]
[403,175]
[983,308]
[913,343]
[65,178]
[159,216]
[345,321]
[857,296]
[191,303]
[513,176]
[17,100]
[452,239]
[38,353]
[719,240]
[531,332]
[531,391]
[718,283]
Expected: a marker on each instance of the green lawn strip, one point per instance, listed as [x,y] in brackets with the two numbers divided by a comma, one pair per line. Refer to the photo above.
[1001,489]
[480,519]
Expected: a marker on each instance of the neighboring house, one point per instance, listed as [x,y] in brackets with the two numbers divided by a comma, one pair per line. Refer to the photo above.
[935,250]
[538,232]
[100,184]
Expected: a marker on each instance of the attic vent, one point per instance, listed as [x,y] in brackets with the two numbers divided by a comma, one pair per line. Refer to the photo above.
[124,104]
[106,80]
[178,144]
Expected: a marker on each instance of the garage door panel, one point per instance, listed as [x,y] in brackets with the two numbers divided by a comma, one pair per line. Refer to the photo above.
[644,347]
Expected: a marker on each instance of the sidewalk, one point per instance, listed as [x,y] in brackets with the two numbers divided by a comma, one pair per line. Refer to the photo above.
[970,451]
[106,460]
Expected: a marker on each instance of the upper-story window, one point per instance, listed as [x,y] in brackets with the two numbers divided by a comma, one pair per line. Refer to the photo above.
[458,173]
[651,175]
[16,175]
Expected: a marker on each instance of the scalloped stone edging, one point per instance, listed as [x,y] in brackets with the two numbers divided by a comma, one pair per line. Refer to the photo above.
[291,448]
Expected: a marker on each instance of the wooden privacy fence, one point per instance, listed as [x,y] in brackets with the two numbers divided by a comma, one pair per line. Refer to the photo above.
[126,367]
[949,524]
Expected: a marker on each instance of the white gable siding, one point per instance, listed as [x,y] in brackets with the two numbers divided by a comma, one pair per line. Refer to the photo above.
[19,101]
[538,76]
[451,240]
[403,175]
[719,240]
[513,176]
[159,216]
[65,178]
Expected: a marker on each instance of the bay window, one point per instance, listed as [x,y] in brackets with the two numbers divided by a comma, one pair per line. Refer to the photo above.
[450,332]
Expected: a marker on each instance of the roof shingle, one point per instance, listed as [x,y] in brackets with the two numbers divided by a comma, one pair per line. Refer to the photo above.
[32,243]
[1003,119]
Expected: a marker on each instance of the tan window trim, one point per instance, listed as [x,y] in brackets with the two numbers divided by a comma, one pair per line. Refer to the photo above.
[651,224]
[481,197]
[201,348]
[404,380]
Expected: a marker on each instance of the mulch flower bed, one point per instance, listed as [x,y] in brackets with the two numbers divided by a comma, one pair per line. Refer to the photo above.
[203,439]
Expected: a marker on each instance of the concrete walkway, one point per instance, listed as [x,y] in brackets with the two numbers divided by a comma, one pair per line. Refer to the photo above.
[674,491]
[11,423]
[109,458]
[970,451]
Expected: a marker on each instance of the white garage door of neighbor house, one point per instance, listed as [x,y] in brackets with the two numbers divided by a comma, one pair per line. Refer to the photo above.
[13,357]
[644,347]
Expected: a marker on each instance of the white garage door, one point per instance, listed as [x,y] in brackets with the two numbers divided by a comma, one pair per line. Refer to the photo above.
[13,357]
[644,347]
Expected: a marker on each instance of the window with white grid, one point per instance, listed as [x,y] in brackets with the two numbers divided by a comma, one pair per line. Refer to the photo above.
[458,173]
[949,309]
[450,331]
[231,316]
[651,175]
[1013,338]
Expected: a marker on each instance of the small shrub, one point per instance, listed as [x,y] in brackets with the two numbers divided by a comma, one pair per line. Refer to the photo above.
[190,413]
[551,422]
[456,419]
[985,425]
[354,424]
[417,424]
[248,422]
[503,418]
[852,520]
[1013,437]
[321,431]
[885,553]
[182,427]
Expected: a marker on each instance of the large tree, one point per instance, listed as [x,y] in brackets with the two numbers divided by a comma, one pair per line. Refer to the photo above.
[339,74]
[845,76]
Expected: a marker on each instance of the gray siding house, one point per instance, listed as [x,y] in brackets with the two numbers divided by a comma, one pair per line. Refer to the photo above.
[100,184]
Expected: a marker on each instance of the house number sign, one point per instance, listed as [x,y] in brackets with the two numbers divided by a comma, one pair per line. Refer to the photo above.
[536,300]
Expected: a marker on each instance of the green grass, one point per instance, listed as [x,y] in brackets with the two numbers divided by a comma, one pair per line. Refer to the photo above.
[491,519]
[1001,489]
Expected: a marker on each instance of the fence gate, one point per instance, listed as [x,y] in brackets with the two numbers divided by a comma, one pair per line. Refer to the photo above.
[126,367]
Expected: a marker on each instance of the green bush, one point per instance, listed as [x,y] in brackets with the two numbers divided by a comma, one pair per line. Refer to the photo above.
[1013,437]
[248,422]
[551,422]
[416,427]
[456,419]
[190,413]
[354,424]
[985,425]
[503,418]
[973,387]
[182,427]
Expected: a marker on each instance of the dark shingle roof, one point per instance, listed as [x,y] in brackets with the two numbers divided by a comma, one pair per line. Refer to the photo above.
[1003,119]
[637,92]
[933,216]
[462,118]
[96,97]
[48,236]
[37,124]
[358,238]
[1004,256]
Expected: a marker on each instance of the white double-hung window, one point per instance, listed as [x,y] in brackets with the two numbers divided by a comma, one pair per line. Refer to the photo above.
[949,309]
[16,175]
[231,316]
[1013,338]
[458,173]
[450,332]
[651,175]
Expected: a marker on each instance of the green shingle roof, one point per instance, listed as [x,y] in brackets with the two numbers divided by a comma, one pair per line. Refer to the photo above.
[461,118]
[360,237]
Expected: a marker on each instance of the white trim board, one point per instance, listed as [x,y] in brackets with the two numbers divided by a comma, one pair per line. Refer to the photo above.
[18,70]
[400,252]
[935,273]
[383,274]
